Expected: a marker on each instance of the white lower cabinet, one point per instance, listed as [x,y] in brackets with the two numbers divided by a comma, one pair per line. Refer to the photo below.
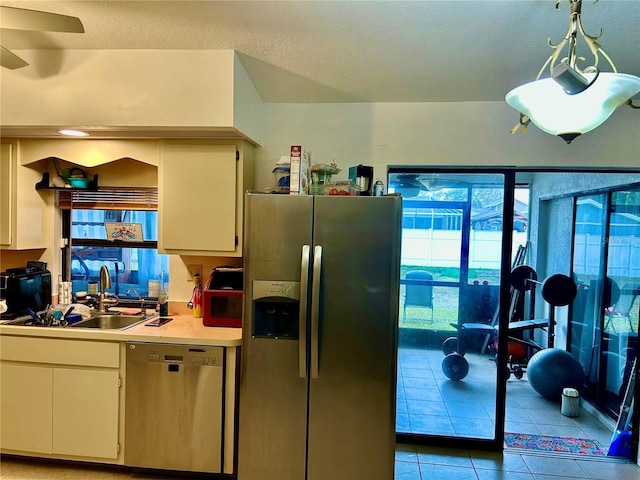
[85,412]
[26,411]
[60,397]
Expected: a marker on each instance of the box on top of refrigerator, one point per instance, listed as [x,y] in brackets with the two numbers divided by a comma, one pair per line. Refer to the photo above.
[300,171]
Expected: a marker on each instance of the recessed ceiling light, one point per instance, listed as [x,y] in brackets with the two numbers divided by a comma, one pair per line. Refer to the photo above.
[73,133]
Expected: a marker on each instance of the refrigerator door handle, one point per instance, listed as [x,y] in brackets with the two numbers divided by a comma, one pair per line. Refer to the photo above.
[304,297]
[315,310]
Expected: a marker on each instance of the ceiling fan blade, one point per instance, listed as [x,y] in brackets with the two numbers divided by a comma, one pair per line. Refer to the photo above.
[22,19]
[10,60]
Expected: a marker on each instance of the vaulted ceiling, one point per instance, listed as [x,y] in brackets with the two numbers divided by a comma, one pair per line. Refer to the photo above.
[352,51]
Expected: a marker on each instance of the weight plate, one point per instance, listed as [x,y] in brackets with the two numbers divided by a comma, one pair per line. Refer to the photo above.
[450,345]
[455,366]
[518,372]
[523,277]
[559,290]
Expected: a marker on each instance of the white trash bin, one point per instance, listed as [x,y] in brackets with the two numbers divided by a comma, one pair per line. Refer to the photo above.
[570,402]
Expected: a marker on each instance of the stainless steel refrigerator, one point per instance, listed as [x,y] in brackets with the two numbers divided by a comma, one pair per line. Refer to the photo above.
[318,373]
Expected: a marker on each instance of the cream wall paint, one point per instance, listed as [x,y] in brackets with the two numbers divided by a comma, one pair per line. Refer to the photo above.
[464,133]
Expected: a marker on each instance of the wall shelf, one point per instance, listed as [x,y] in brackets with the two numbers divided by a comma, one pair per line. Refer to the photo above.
[44,184]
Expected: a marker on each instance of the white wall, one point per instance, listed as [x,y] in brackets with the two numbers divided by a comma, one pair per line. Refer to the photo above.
[465,133]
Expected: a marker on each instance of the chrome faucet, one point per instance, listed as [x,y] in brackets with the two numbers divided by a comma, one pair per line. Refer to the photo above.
[105,282]
[133,290]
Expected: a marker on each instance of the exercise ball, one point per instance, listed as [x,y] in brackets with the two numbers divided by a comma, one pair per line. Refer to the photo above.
[551,370]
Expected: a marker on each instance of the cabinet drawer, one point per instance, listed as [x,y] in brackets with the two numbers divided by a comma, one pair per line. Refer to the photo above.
[60,352]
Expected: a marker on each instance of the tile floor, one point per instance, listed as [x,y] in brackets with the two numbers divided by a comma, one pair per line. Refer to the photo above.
[429,403]
[412,463]
[427,399]
[432,463]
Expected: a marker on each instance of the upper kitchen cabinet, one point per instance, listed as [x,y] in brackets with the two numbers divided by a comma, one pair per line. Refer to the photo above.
[133,94]
[24,220]
[200,196]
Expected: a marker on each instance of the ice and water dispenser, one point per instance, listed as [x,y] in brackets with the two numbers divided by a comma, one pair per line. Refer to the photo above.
[276,309]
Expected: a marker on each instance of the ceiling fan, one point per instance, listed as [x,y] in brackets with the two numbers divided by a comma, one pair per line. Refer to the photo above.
[34,20]
[426,182]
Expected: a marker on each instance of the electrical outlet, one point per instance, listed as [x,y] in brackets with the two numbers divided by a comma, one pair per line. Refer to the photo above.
[192,270]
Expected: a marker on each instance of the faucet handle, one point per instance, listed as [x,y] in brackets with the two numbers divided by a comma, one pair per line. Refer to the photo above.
[110,299]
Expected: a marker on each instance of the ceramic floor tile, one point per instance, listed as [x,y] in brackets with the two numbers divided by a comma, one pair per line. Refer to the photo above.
[421,382]
[426,407]
[431,424]
[473,427]
[561,477]
[467,409]
[547,465]
[517,414]
[598,470]
[503,475]
[406,453]
[561,431]
[407,471]
[600,434]
[408,373]
[499,461]
[444,456]
[549,416]
[403,423]
[430,394]
[446,472]
[35,469]
[522,427]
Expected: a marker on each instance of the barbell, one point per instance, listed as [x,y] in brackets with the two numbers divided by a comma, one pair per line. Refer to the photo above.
[557,289]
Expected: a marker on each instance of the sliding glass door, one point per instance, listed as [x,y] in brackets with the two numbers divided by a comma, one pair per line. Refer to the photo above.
[606,266]
[454,244]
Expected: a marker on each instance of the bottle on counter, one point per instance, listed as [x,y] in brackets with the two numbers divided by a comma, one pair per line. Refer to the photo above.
[163,303]
[378,188]
[197,297]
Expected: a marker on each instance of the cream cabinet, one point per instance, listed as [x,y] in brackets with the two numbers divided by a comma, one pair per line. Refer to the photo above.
[85,412]
[23,212]
[60,397]
[200,196]
[25,408]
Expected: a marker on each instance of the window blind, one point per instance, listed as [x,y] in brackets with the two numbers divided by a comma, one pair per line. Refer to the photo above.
[110,198]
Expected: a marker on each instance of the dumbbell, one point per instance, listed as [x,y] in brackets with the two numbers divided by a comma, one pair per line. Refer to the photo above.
[558,289]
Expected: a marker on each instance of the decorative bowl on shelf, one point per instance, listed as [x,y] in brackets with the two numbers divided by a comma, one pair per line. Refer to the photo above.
[79,182]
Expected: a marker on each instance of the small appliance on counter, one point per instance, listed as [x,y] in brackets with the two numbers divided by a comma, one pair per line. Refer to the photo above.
[362,176]
[281,176]
[25,288]
[223,298]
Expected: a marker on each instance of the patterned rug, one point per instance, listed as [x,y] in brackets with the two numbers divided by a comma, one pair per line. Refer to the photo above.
[577,446]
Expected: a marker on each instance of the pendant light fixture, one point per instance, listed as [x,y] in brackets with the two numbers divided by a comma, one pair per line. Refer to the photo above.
[572,101]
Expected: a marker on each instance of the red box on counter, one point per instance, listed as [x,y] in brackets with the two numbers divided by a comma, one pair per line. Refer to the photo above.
[222,308]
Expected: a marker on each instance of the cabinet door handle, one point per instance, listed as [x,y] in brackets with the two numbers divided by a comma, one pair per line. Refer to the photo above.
[302,326]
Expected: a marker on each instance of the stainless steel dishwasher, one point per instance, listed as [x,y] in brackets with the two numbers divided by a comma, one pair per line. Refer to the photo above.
[174,407]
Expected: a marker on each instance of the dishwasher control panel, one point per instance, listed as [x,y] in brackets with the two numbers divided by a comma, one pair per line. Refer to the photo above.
[195,355]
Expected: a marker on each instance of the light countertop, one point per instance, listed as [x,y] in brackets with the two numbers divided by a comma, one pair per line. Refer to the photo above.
[183,329]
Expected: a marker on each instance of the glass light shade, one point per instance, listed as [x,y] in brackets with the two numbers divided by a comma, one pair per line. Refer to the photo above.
[552,110]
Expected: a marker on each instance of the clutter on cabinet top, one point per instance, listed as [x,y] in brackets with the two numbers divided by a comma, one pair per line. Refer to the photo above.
[281,176]
[300,179]
[362,175]
[295,174]
[320,175]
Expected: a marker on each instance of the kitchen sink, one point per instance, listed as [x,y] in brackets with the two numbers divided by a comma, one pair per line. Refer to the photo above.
[100,320]
[20,321]
[111,321]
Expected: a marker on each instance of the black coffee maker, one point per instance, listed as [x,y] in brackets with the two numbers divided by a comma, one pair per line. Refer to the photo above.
[362,176]
[25,287]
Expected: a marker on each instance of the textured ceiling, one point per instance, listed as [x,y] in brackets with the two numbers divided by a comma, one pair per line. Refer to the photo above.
[353,51]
